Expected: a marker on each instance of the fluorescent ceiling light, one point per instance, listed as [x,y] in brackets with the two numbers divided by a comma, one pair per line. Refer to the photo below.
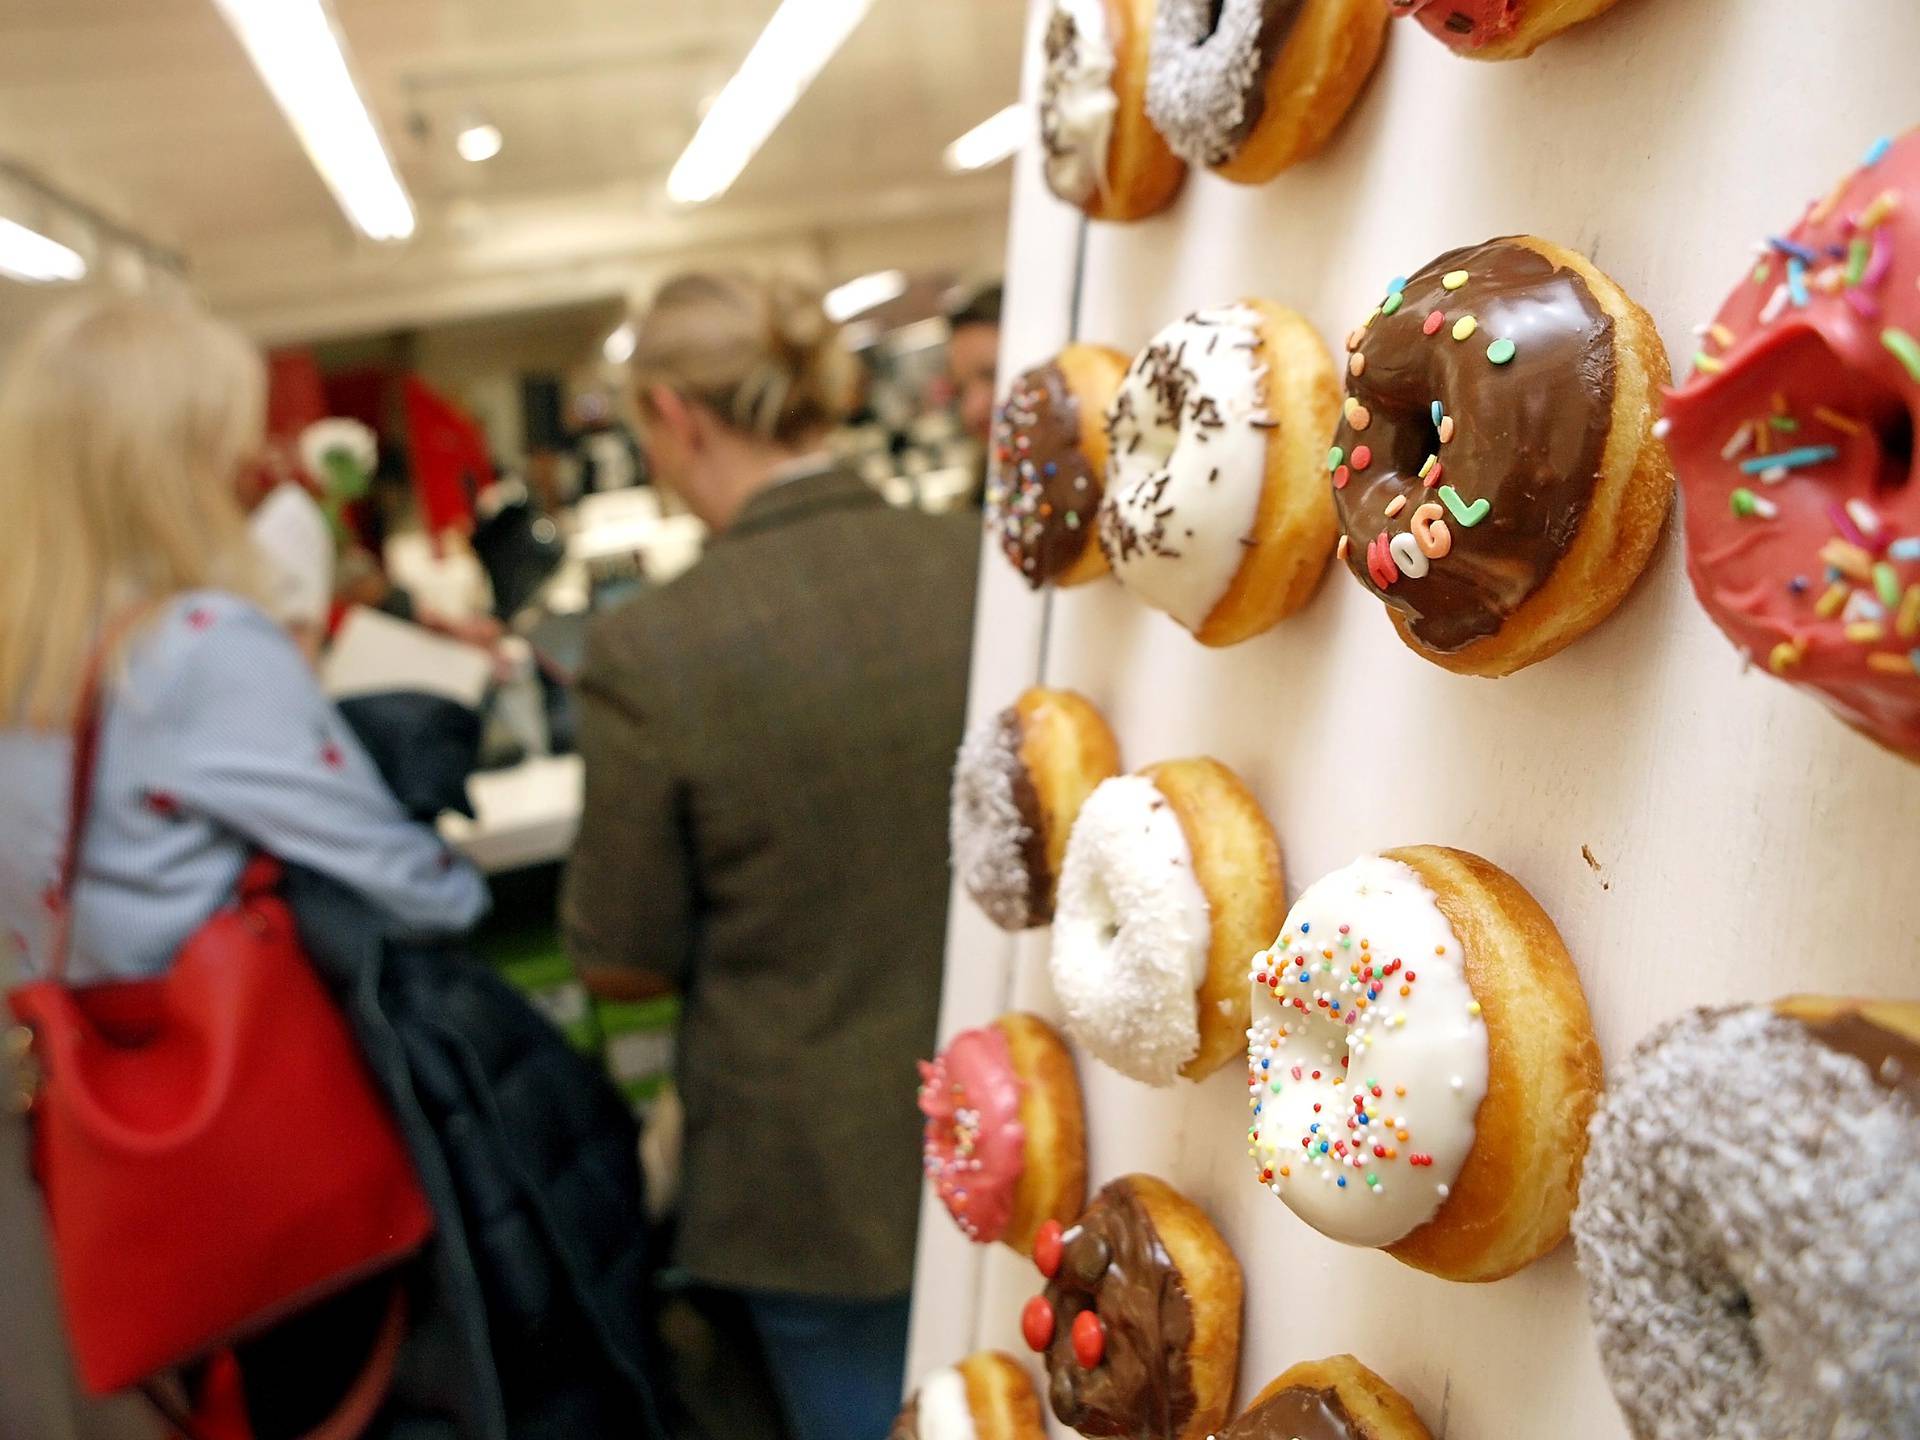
[796,45]
[991,141]
[862,293]
[479,141]
[618,347]
[293,45]
[28,255]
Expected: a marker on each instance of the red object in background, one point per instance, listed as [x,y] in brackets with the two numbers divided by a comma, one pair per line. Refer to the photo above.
[449,459]
[296,395]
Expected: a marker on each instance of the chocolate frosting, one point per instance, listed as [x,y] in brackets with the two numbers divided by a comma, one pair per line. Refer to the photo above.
[1113,1263]
[1044,494]
[1297,1413]
[1529,435]
[1277,18]
[1893,1059]
[906,1425]
[1033,822]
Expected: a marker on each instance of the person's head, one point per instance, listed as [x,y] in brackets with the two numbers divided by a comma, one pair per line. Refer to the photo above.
[972,354]
[125,426]
[736,376]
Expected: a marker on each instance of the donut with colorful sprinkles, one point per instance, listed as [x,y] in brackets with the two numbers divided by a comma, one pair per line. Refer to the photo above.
[1495,469]
[1050,465]
[1422,1065]
[1749,1224]
[1793,440]
[1005,1137]
[1497,29]
[1140,1318]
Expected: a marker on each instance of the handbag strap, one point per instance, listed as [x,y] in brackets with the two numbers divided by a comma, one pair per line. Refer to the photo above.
[87,723]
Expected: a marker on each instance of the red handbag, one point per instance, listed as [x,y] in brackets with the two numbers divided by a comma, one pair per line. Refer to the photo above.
[213,1153]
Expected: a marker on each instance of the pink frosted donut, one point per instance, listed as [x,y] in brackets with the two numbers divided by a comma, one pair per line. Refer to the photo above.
[1004,1142]
[1496,29]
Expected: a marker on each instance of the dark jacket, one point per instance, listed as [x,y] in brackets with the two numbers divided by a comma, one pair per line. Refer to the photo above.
[768,742]
[530,1306]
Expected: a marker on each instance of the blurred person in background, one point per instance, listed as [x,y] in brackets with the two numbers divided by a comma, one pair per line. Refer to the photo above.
[125,428]
[767,744]
[295,546]
[973,353]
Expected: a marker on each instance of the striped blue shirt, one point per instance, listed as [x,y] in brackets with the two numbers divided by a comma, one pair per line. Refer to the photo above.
[218,743]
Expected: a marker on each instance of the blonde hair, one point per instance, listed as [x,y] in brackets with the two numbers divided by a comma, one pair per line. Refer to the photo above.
[760,354]
[123,427]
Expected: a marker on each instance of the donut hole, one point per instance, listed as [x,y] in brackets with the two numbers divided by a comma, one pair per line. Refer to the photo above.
[1215,10]
[1894,430]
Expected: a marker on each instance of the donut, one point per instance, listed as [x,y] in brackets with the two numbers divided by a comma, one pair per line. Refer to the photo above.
[1250,86]
[1497,29]
[1172,877]
[1005,1141]
[1215,511]
[1749,1225]
[1422,1065]
[1140,1317]
[1793,439]
[1020,778]
[1333,1399]
[987,1396]
[1050,466]
[1495,468]
[1097,150]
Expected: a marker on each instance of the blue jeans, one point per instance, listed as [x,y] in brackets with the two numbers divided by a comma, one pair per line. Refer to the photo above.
[839,1365]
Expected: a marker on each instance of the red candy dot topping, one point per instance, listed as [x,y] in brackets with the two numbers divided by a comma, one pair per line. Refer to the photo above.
[1046,1248]
[1089,1339]
[1036,1323]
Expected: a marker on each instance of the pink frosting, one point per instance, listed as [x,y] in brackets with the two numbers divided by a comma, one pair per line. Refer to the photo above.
[975,1147]
[1463,24]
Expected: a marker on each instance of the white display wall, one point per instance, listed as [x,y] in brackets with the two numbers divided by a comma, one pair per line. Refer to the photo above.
[1701,835]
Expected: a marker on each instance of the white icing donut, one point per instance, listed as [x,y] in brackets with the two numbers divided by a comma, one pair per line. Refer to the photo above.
[1131,932]
[1367,1057]
[1188,431]
[1077,103]
[993,842]
[942,1409]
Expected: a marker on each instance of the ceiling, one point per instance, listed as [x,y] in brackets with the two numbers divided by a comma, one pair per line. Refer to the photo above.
[148,111]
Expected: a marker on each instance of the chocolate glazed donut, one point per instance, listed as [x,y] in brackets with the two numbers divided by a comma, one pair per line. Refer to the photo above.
[1497,420]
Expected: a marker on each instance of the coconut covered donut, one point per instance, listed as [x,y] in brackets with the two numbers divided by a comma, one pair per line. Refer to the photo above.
[1422,1064]
[1050,465]
[1005,1142]
[1250,86]
[1098,151]
[1793,439]
[1495,469]
[1172,876]
[1018,783]
[1749,1225]
[1333,1399]
[1497,29]
[1140,1318]
[1215,510]
[987,1396]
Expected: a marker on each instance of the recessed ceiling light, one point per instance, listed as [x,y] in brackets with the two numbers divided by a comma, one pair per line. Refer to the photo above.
[478,141]
[862,293]
[991,141]
[294,46]
[796,45]
[618,347]
[28,255]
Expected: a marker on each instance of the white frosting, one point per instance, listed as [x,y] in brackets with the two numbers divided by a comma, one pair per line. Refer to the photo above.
[1131,932]
[988,833]
[1424,1051]
[943,1412]
[1188,431]
[1077,102]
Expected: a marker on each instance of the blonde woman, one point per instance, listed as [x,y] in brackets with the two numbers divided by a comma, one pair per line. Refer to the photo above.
[124,427]
[767,744]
